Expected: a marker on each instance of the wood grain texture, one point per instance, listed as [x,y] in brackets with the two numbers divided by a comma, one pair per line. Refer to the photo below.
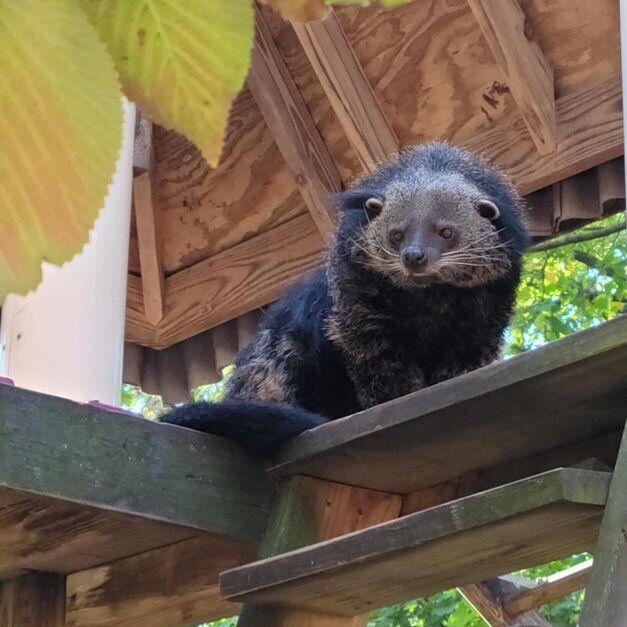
[589,132]
[293,129]
[149,243]
[238,280]
[83,454]
[172,585]
[525,600]
[527,72]
[481,536]
[33,600]
[559,394]
[47,534]
[307,511]
[605,602]
[348,90]
[597,453]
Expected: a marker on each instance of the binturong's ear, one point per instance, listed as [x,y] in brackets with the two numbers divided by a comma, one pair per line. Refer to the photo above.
[362,200]
[487,209]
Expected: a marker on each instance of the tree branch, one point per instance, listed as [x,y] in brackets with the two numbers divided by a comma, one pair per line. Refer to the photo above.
[575,238]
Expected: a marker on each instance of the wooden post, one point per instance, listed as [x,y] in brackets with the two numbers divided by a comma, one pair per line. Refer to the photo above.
[605,603]
[33,600]
[308,511]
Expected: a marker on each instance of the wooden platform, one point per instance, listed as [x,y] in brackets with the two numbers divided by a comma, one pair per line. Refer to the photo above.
[563,393]
[495,532]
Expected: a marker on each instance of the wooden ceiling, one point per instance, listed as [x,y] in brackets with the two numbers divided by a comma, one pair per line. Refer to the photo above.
[533,84]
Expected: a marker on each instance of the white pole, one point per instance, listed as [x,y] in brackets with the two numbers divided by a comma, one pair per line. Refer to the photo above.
[66,337]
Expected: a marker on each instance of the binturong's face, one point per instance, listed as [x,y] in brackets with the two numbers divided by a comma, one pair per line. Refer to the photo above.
[437,230]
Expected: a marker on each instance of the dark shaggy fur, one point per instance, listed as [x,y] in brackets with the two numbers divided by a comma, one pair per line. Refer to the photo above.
[418,287]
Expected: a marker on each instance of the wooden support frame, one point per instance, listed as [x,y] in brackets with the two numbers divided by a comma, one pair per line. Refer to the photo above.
[307,511]
[33,600]
[152,275]
[605,602]
[293,128]
[528,74]
[344,82]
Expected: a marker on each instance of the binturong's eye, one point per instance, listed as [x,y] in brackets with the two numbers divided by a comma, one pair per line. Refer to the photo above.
[446,232]
[487,209]
[373,206]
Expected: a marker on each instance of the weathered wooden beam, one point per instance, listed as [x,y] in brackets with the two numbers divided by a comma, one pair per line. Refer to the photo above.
[528,74]
[344,82]
[33,600]
[152,276]
[487,597]
[478,537]
[83,454]
[526,600]
[307,511]
[143,151]
[589,132]
[605,602]
[597,453]
[137,328]
[293,128]
[562,393]
[172,585]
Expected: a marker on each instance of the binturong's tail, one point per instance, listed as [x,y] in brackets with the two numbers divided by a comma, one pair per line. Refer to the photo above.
[260,427]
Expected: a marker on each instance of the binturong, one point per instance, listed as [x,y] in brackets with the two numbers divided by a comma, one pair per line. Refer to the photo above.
[418,287]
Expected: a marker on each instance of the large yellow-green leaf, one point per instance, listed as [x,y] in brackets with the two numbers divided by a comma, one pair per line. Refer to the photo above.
[181,61]
[60,135]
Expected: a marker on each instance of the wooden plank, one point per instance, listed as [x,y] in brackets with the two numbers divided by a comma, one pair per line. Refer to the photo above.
[598,453]
[605,602]
[149,244]
[528,74]
[348,90]
[556,395]
[173,585]
[294,131]
[307,511]
[475,538]
[33,600]
[45,534]
[548,592]
[589,132]
[143,152]
[238,280]
[79,453]
[137,329]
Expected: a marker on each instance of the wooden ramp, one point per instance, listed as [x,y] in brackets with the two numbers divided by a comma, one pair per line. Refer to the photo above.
[481,536]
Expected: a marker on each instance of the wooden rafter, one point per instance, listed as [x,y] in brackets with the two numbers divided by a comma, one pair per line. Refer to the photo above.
[152,276]
[343,79]
[529,75]
[293,128]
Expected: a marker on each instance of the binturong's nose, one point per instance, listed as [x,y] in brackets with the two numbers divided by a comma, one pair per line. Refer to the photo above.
[413,258]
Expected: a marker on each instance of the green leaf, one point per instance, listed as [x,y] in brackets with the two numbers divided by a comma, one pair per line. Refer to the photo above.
[61,129]
[181,62]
